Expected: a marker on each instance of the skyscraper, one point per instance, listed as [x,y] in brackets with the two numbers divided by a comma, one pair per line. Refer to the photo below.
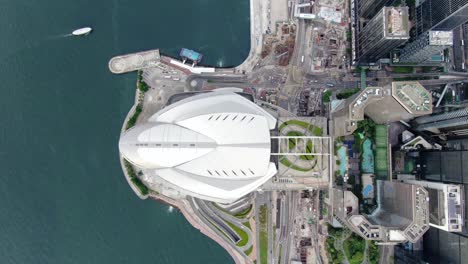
[428,47]
[451,123]
[440,15]
[387,30]
[401,214]
[447,166]
[369,8]
[446,203]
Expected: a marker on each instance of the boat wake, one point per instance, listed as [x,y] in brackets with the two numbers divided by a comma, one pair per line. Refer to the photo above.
[59,36]
[170,209]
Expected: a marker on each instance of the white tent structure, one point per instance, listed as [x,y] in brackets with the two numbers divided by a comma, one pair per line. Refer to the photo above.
[214,146]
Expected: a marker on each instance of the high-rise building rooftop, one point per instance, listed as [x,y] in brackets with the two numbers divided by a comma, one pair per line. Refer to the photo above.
[427,48]
[398,101]
[396,23]
[446,202]
[387,30]
[440,38]
[402,212]
[413,97]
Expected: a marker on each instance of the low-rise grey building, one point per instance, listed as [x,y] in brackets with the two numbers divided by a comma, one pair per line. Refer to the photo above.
[398,101]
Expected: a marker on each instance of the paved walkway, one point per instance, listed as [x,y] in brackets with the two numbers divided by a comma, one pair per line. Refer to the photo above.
[192,217]
[258,12]
[134,61]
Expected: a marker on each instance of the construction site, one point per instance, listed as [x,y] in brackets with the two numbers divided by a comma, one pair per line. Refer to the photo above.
[329,35]
[278,48]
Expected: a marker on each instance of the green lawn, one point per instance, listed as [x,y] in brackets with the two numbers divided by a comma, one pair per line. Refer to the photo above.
[292,141]
[286,162]
[249,250]
[279,252]
[316,131]
[402,69]
[243,213]
[247,224]
[292,144]
[263,229]
[307,150]
[242,234]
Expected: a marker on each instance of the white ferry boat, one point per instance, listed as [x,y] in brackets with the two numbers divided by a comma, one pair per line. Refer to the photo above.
[82,31]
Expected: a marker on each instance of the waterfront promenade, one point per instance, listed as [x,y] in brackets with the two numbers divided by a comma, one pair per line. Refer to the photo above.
[151,58]
[134,61]
[189,214]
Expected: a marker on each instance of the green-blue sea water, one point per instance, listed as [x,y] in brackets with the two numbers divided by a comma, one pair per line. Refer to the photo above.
[63,197]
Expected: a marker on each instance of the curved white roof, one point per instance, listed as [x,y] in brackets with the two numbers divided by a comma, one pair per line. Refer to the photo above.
[215,145]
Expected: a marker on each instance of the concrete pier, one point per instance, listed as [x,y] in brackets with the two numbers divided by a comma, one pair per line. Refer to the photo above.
[134,61]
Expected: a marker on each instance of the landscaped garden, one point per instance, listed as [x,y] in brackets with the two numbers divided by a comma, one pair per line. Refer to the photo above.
[132,120]
[336,255]
[354,248]
[373,253]
[298,128]
[244,237]
[134,179]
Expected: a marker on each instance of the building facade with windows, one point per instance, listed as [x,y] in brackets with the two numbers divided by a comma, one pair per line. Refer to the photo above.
[427,48]
[442,15]
[387,30]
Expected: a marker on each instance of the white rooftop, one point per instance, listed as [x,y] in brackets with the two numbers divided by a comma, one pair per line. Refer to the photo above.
[440,38]
[215,146]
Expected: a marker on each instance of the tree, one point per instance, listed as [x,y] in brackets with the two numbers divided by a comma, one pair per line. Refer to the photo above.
[366,126]
[326,96]
[142,86]
[357,257]
[139,76]
[339,258]
[347,93]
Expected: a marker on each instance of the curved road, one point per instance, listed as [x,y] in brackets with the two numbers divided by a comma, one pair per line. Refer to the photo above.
[235,221]
[213,216]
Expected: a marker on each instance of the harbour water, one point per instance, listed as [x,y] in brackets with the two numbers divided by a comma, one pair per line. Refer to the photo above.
[63,197]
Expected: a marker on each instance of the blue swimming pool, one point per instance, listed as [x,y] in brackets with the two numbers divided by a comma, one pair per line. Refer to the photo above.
[367,157]
[367,190]
[342,154]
